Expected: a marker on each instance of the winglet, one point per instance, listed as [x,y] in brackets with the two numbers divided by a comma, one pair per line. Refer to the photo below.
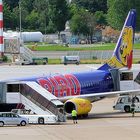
[123,52]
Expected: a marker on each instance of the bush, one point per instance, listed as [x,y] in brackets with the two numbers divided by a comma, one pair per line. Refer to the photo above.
[4,58]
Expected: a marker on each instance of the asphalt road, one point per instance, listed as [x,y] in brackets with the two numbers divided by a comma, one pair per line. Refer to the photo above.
[82,54]
[16,71]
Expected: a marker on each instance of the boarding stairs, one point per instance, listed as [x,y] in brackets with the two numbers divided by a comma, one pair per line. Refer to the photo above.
[40,101]
[26,54]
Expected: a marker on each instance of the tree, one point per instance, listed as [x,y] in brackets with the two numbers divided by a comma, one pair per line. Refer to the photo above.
[100,18]
[41,7]
[34,15]
[92,5]
[27,5]
[11,3]
[8,16]
[118,10]
[32,19]
[78,24]
[59,13]
[83,22]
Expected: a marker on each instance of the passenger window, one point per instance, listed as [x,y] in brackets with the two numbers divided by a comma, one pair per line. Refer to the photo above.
[14,115]
[8,115]
[129,99]
[4,115]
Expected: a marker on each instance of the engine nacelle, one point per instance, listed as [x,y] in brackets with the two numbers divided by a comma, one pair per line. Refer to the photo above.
[83,106]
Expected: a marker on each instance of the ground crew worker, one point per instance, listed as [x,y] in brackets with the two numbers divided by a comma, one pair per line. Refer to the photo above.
[133,107]
[74,116]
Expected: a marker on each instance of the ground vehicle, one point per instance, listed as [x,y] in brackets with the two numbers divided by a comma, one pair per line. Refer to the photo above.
[94,40]
[22,62]
[34,61]
[43,60]
[41,119]
[124,103]
[70,60]
[10,118]
[35,118]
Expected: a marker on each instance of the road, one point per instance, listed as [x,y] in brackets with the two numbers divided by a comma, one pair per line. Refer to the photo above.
[82,54]
[17,71]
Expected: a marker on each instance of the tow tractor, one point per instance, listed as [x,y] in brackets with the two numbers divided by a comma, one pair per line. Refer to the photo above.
[123,103]
[34,61]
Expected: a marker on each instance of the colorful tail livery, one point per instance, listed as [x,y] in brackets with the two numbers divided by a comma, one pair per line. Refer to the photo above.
[122,56]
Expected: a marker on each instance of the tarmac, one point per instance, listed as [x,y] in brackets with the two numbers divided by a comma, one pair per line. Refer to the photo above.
[103,122]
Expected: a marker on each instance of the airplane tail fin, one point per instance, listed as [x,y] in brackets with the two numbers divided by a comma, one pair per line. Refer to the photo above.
[123,53]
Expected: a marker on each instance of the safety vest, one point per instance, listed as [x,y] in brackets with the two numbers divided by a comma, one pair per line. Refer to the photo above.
[74,113]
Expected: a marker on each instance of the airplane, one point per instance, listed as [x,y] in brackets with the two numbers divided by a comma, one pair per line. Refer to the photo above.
[79,90]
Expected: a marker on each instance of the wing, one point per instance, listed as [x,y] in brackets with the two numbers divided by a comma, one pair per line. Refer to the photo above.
[97,96]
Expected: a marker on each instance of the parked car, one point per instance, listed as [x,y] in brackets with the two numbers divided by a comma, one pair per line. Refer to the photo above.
[83,41]
[9,118]
[94,40]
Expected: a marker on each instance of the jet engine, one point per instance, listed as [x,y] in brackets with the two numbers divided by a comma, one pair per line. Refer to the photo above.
[83,106]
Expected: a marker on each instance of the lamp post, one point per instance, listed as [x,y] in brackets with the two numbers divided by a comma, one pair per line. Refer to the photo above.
[20,21]
[1,29]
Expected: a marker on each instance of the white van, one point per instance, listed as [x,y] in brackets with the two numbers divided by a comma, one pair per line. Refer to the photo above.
[123,103]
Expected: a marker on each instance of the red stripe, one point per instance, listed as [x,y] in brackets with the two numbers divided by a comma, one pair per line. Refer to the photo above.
[1,39]
[1,8]
[1,23]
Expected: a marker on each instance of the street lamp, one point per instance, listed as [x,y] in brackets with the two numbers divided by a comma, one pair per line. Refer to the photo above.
[20,21]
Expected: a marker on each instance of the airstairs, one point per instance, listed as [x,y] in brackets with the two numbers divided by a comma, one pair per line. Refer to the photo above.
[26,54]
[39,100]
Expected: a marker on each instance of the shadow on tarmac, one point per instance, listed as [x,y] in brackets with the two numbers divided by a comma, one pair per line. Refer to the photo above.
[107,115]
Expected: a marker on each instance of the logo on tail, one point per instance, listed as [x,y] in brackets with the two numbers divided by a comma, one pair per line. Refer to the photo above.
[122,56]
